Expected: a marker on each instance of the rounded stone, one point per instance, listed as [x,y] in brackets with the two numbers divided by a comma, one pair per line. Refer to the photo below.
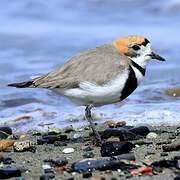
[68,150]
[152,135]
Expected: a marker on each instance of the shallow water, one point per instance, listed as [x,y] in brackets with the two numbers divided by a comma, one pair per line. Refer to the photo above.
[37,37]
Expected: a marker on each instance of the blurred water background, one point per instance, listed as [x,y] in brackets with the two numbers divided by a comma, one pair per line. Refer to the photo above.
[37,36]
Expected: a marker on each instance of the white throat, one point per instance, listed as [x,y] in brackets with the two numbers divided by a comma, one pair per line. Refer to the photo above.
[140,61]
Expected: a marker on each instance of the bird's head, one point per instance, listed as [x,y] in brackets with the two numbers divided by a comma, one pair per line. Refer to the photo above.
[137,48]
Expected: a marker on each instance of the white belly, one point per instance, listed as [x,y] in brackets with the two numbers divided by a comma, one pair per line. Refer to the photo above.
[95,94]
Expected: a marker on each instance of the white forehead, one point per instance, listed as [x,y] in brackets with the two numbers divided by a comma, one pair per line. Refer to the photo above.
[145,49]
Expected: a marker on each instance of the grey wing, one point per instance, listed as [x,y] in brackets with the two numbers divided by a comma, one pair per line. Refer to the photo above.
[98,66]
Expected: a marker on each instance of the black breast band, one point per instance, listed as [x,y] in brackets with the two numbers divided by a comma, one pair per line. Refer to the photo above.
[130,85]
[142,70]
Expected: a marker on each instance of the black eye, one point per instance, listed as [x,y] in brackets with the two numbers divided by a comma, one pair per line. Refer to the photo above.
[136,47]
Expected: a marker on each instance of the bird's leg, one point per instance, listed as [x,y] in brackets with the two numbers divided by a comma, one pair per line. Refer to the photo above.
[88,116]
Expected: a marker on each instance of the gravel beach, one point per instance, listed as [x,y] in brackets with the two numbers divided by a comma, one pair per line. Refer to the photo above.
[58,153]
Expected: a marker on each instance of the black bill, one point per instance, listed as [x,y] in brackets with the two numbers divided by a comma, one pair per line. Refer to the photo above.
[156,56]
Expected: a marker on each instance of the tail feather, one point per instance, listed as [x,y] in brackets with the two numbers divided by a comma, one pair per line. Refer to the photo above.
[22,84]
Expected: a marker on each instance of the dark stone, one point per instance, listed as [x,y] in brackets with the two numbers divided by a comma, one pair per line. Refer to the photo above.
[88,148]
[50,139]
[126,156]
[9,172]
[42,141]
[46,171]
[164,154]
[126,133]
[177,177]
[6,160]
[6,129]
[175,146]
[116,148]
[113,178]
[70,178]
[47,176]
[59,143]
[87,174]
[52,133]
[122,133]
[101,164]
[88,155]
[160,142]
[166,163]
[142,142]
[141,130]
[58,162]
[173,136]
[63,137]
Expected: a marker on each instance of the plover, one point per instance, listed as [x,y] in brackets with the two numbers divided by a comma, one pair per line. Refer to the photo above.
[104,75]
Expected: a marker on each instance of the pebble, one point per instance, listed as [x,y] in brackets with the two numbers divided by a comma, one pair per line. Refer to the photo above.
[62,161]
[120,123]
[113,124]
[68,150]
[47,176]
[89,148]
[177,177]
[161,141]
[140,130]
[5,144]
[175,146]
[87,174]
[23,136]
[59,143]
[127,156]
[79,129]
[173,136]
[164,154]
[46,166]
[9,172]
[142,142]
[50,139]
[88,155]
[6,160]
[46,171]
[101,164]
[113,139]
[70,178]
[175,92]
[121,133]
[115,148]
[54,131]
[98,178]
[77,135]
[152,135]
[5,131]
[36,133]
[86,128]
[69,129]
[21,146]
